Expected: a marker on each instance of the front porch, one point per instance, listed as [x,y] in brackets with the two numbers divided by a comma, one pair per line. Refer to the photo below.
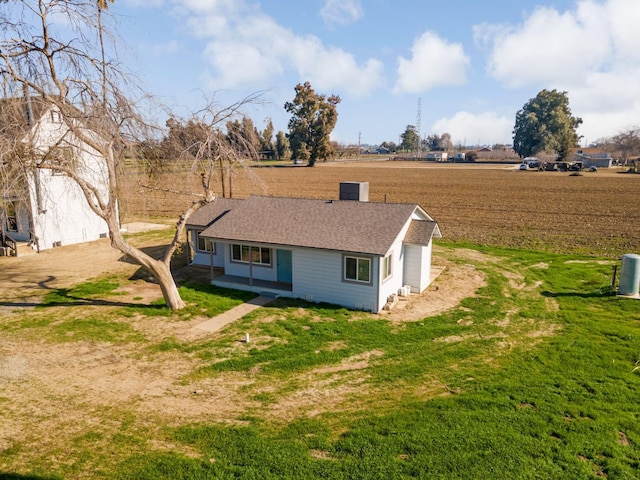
[11,247]
[262,287]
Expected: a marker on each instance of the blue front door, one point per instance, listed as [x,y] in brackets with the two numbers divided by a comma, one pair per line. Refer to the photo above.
[284,266]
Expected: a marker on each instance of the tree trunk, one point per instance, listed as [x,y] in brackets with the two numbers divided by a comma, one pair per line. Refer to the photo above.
[159,269]
[172,298]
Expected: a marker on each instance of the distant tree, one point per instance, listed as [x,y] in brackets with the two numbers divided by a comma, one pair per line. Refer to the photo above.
[438,142]
[282,145]
[314,117]
[445,141]
[471,156]
[244,135]
[409,139]
[267,149]
[627,143]
[545,124]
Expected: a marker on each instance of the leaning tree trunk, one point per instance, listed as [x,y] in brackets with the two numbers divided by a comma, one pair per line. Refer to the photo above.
[160,269]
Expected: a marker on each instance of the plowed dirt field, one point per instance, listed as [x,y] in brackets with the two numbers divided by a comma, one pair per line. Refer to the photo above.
[594,213]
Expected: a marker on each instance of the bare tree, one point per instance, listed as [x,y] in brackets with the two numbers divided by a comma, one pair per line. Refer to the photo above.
[627,143]
[214,141]
[62,52]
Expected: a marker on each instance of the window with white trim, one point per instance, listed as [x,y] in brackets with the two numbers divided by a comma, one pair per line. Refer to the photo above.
[205,244]
[250,254]
[357,269]
[387,266]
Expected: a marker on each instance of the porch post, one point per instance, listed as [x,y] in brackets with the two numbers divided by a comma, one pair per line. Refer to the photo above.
[211,261]
[250,266]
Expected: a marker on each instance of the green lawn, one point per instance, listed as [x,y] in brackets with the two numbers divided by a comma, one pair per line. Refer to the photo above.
[531,378]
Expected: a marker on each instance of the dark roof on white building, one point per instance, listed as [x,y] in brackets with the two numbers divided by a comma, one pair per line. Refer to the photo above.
[349,226]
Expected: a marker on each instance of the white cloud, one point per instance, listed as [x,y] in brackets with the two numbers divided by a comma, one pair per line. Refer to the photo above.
[549,46]
[475,128]
[341,12]
[249,49]
[433,63]
[590,51]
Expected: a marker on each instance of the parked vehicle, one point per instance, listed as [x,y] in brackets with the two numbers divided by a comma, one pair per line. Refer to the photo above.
[523,166]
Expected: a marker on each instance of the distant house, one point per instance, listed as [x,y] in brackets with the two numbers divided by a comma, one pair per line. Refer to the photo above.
[47,209]
[592,157]
[352,253]
[437,156]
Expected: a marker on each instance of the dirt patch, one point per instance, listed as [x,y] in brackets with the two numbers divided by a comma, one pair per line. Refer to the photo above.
[456,282]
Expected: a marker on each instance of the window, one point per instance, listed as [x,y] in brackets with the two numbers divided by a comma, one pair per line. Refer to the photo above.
[357,269]
[387,268]
[56,116]
[205,244]
[245,253]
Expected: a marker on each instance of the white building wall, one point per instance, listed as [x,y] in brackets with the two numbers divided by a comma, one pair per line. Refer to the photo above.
[417,267]
[394,283]
[206,258]
[317,277]
[62,213]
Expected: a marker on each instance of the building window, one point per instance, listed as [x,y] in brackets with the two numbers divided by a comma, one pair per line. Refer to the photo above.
[56,116]
[246,254]
[357,269]
[387,266]
[205,244]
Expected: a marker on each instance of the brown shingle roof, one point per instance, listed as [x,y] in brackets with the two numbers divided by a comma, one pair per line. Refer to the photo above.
[14,117]
[421,231]
[208,213]
[349,226]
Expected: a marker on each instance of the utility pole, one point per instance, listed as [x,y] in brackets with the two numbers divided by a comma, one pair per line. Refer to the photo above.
[419,126]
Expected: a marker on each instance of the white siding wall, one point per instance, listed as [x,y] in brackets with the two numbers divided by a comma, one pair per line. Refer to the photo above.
[417,267]
[393,284]
[63,214]
[317,277]
[204,258]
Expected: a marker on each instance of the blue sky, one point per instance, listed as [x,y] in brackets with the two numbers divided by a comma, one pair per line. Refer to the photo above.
[470,64]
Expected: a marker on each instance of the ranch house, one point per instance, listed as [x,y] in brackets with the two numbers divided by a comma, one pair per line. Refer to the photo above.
[44,208]
[349,252]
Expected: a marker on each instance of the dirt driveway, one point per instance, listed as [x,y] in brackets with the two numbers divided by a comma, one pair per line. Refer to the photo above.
[63,267]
